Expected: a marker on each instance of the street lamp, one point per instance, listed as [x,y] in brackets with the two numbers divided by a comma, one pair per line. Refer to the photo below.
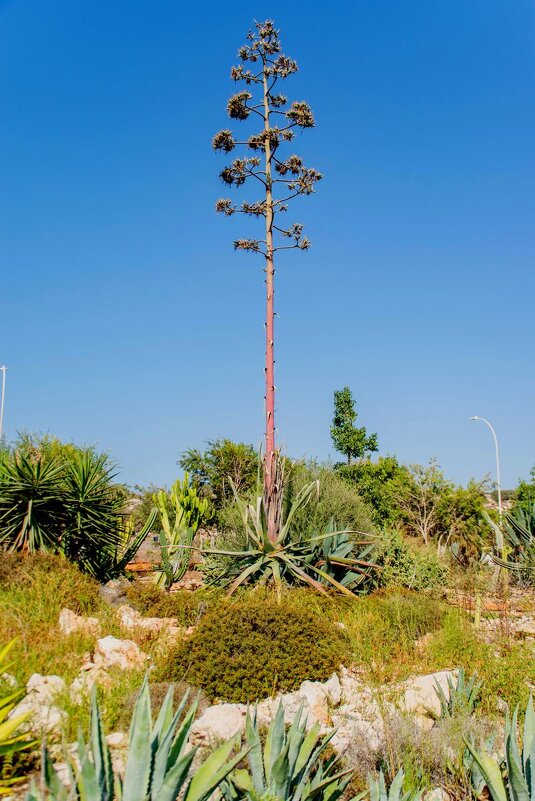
[3,369]
[498,480]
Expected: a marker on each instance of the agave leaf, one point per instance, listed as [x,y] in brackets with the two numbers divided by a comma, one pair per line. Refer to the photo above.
[87,780]
[301,499]
[212,772]
[293,567]
[518,788]
[274,742]
[51,779]
[332,581]
[244,575]
[138,764]
[100,751]
[256,763]
[183,733]
[175,779]
[528,746]
[490,771]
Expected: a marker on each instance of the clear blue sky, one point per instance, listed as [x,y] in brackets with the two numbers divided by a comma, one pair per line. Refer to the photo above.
[128,321]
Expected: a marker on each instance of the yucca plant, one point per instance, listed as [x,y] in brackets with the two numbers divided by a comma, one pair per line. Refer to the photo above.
[463,695]
[158,766]
[287,561]
[31,512]
[176,537]
[12,742]
[377,789]
[62,499]
[514,778]
[289,765]
[112,560]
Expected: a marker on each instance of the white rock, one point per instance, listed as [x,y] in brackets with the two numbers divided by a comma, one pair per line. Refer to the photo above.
[131,619]
[40,703]
[333,689]
[117,739]
[420,696]
[525,625]
[45,689]
[70,622]
[126,654]
[437,794]
[219,722]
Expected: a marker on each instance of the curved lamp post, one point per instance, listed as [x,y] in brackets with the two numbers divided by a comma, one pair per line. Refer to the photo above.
[498,480]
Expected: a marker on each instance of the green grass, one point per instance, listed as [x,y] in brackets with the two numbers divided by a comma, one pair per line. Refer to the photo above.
[33,590]
[382,631]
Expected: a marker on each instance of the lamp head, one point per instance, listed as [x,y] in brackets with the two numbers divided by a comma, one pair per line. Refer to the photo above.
[476,417]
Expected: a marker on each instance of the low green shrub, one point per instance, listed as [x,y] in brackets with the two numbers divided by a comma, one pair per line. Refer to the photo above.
[188,607]
[384,628]
[507,670]
[254,647]
[406,566]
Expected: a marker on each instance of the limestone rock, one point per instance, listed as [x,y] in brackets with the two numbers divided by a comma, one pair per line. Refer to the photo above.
[114,592]
[70,623]
[219,722]
[130,619]
[525,625]
[111,651]
[437,794]
[420,697]
[42,694]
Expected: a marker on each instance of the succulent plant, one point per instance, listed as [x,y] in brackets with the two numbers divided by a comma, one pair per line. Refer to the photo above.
[378,790]
[321,561]
[11,741]
[463,696]
[158,766]
[513,779]
[176,537]
[291,765]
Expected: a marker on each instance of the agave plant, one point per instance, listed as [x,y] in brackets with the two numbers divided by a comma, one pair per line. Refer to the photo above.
[337,556]
[463,696]
[316,561]
[379,792]
[291,765]
[158,766]
[515,538]
[176,539]
[517,781]
[12,742]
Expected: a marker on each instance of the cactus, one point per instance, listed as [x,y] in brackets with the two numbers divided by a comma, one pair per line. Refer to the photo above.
[176,538]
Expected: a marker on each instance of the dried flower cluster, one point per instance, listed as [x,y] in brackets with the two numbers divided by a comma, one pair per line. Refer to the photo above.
[293,178]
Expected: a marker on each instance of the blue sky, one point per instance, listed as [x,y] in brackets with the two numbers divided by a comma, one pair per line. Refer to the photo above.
[128,321]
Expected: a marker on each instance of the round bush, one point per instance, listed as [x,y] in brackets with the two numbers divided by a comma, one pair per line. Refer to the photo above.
[255,647]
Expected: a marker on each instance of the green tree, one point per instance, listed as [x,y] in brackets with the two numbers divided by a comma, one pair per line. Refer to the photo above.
[279,178]
[352,442]
[220,465]
[379,484]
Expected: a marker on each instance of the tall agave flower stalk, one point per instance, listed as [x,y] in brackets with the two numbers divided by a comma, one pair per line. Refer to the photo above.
[262,66]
